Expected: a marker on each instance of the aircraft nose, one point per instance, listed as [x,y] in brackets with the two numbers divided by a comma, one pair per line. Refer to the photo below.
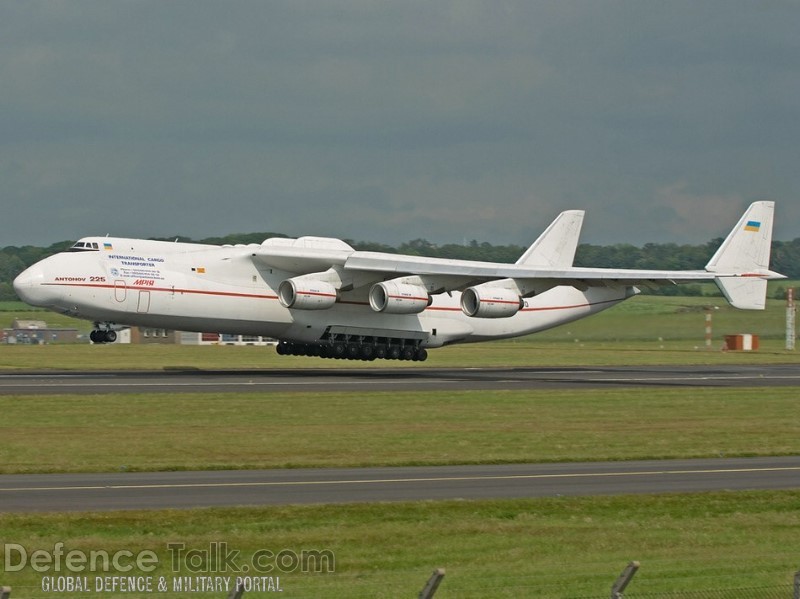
[28,285]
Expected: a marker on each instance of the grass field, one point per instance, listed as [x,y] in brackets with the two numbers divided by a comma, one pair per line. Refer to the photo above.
[560,547]
[80,433]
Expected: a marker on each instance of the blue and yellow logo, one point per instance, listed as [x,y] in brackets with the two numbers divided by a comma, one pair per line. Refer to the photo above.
[752,225]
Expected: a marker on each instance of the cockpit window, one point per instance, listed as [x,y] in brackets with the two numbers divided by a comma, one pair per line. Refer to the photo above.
[84,246]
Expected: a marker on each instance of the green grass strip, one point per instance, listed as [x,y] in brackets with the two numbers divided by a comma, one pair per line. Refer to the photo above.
[560,547]
[74,433]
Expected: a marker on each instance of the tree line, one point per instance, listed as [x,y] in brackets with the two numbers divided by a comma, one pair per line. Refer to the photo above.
[666,256]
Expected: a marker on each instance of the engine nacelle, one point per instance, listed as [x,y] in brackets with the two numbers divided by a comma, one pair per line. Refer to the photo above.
[485,301]
[392,297]
[306,294]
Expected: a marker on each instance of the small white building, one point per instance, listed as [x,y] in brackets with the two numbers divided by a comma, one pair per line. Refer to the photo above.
[224,339]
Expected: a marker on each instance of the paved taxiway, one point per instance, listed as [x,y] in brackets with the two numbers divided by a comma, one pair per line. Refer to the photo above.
[120,491]
[391,379]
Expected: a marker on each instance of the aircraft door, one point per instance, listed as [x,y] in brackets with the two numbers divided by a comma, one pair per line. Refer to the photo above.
[120,291]
[143,307]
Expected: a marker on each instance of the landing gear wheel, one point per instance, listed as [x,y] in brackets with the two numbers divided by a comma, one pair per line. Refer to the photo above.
[100,336]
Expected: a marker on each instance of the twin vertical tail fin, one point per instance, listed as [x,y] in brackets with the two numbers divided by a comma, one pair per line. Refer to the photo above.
[556,246]
[742,260]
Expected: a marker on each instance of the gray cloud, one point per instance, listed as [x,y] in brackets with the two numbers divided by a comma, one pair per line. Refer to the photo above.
[391,121]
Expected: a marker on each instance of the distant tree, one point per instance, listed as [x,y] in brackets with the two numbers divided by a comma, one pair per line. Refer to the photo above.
[7,292]
[786,258]
[10,266]
[372,246]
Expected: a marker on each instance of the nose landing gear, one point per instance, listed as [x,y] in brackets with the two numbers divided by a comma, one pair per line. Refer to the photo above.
[103,336]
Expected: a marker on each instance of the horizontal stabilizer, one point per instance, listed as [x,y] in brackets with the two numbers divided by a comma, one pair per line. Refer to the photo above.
[745,293]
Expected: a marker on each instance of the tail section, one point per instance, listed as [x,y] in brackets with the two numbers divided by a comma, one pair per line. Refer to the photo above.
[747,248]
[555,248]
[742,260]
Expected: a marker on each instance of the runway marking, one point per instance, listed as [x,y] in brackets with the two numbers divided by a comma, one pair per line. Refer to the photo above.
[55,376]
[406,480]
[708,377]
[415,381]
[236,384]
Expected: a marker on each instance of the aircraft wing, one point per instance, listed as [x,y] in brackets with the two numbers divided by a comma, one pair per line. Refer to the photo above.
[327,267]
[402,264]
[477,272]
[378,266]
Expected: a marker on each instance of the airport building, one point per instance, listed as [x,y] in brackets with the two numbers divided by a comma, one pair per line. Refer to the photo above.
[37,332]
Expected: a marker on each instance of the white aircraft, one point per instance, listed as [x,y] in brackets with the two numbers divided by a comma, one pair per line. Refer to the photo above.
[321,297]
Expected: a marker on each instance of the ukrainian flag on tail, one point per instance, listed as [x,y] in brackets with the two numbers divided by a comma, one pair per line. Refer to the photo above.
[752,226]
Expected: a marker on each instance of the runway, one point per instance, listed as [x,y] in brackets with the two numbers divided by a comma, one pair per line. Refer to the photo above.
[392,379]
[161,490]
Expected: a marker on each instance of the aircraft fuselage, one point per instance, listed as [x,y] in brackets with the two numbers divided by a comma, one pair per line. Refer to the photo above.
[204,288]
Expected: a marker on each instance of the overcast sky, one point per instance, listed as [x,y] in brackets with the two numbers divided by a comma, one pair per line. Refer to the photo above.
[390,121]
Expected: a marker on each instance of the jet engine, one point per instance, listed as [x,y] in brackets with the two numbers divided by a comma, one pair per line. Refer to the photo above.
[485,301]
[306,294]
[396,297]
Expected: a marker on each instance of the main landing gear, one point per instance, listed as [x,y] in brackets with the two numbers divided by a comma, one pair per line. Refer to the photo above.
[353,351]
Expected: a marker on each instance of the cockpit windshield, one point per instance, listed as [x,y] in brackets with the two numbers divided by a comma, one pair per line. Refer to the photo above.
[84,246]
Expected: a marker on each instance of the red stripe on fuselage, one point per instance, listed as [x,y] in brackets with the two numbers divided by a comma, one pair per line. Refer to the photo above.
[167,290]
[274,297]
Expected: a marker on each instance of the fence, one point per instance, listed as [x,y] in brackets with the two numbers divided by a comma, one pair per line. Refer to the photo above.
[618,590]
